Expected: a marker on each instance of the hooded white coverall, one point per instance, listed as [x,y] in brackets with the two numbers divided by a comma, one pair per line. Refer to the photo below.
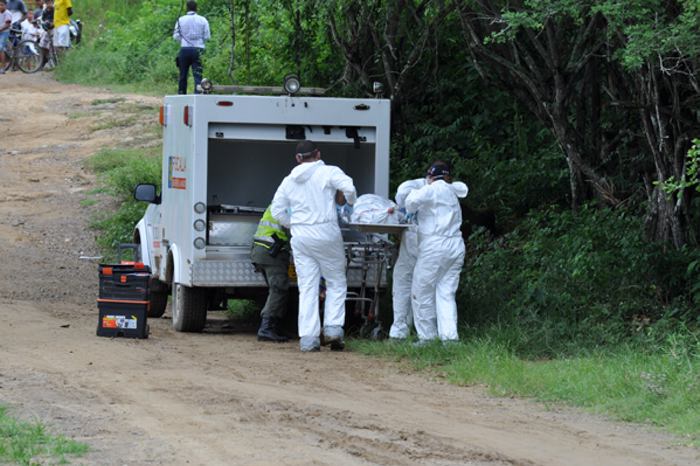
[305,202]
[403,269]
[440,258]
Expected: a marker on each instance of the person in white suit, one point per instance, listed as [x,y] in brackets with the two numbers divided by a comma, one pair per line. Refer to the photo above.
[403,269]
[305,202]
[440,254]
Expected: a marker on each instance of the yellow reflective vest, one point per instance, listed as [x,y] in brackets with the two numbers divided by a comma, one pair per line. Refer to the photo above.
[268,227]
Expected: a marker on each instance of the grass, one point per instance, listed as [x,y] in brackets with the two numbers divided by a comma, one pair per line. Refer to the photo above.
[659,386]
[29,443]
[111,100]
[88,202]
[115,123]
[119,171]
[242,310]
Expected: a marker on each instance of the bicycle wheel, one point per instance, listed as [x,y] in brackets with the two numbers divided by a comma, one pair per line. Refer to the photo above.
[28,56]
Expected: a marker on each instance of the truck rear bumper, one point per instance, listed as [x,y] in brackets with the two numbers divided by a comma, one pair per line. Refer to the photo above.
[241,273]
[227,273]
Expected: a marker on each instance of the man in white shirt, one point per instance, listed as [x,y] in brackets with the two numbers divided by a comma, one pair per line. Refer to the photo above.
[305,202]
[18,10]
[191,30]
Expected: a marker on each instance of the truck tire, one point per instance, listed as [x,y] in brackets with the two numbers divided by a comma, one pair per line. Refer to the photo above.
[158,296]
[189,308]
[159,301]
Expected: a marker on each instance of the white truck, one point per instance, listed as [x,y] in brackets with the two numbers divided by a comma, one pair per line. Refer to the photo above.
[223,158]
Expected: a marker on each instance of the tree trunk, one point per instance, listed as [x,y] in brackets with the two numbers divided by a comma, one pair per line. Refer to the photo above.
[664,222]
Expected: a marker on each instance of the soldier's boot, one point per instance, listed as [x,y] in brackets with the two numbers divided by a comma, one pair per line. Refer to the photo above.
[268,331]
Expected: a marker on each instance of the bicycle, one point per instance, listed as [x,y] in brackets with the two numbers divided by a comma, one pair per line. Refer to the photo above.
[22,54]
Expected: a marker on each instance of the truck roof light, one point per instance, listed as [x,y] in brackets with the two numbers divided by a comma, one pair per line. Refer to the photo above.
[291,84]
[206,86]
[224,103]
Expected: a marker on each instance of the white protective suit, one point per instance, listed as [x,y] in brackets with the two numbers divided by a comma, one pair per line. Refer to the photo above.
[305,203]
[440,258]
[403,269]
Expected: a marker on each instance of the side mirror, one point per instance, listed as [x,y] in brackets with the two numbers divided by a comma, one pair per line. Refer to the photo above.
[146,193]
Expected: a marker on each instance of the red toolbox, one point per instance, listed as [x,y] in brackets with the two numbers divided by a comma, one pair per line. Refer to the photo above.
[123,300]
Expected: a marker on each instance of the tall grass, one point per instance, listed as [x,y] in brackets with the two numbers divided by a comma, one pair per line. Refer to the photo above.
[119,171]
[656,384]
[29,443]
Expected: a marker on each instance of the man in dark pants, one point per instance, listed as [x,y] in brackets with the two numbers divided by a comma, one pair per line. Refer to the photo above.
[191,30]
[270,255]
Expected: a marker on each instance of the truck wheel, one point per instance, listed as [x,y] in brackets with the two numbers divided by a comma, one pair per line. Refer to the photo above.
[158,296]
[159,301]
[189,308]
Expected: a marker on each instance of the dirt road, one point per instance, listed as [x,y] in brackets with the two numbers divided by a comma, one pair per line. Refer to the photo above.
[219,397]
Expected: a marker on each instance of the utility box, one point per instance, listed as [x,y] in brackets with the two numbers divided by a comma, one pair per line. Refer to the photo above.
[123,300]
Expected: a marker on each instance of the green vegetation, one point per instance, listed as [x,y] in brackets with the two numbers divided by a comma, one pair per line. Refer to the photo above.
[29,443]
[573,124]
[655,383]
[242,310]
[562,281]
[119,170]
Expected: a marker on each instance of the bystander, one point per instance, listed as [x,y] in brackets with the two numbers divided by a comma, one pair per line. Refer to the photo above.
[63,9]
[5,25]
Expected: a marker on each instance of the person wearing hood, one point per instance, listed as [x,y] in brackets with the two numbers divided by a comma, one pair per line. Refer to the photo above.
[305,202]
[440,254]
[402,276]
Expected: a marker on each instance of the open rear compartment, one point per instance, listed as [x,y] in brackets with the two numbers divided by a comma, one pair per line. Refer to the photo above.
[243,174]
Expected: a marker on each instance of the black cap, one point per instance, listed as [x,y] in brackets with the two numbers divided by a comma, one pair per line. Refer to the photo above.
[439,170]
[306,148]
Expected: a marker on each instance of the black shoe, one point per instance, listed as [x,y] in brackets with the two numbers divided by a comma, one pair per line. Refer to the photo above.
[268,331]
[337,345]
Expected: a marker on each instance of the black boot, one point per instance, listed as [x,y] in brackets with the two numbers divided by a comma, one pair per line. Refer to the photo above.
[268,331]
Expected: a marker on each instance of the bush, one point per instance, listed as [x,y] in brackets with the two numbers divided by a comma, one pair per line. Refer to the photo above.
[133,45]
[566,280]
[120,171]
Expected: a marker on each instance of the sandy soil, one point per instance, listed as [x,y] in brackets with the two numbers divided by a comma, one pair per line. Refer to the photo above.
[220,397]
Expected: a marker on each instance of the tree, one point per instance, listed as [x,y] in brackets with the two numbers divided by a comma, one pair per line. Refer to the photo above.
[570,61]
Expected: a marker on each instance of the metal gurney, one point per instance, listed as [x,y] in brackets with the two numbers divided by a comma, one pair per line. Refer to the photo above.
[369,254]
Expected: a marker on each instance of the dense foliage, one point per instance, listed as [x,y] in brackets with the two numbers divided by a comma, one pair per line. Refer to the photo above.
[571,121]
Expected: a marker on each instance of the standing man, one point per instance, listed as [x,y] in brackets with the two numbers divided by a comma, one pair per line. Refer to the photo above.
[18,10]
[62,11]
[402,276]
[270,255]
[191,30]
[440,254]
[306,201]
[5,25]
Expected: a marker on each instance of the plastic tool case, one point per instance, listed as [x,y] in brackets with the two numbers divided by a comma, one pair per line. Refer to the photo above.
[123,300]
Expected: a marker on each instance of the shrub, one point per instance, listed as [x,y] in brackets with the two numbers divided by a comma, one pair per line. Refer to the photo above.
[120,171]
[563,280]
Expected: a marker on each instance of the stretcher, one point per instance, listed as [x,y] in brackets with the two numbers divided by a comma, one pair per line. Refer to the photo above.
[370,254]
